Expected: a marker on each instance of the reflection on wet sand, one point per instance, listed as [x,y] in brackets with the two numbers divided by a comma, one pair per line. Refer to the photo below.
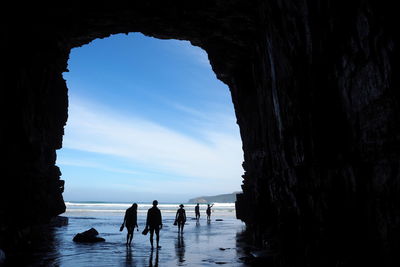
[197,231]
[128,258]
[180,249]
[151,259]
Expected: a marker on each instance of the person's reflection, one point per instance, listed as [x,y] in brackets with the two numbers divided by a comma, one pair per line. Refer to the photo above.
[180,249]
[197,231]
[209,233]
[128,258]
[151,259]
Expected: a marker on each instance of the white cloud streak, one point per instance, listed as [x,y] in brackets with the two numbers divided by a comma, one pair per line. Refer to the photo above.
[193,52]
[95,165]
[93,128]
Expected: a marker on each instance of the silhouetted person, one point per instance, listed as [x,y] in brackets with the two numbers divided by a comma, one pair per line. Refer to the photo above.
[180,218]
[154,223]
[208,211]
[197,211]
[130,222]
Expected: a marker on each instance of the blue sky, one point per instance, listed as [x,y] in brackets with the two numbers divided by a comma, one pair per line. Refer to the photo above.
[148,119]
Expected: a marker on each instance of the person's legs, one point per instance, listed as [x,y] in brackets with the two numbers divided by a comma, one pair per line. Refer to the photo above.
[157,230]
[151,236]
[129,235]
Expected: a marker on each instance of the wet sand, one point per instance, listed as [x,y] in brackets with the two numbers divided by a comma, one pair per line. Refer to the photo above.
[201,244]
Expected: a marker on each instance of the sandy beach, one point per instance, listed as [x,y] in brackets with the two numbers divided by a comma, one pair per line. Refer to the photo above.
[201,244]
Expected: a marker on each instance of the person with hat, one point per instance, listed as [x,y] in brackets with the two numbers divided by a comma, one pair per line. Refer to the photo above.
[180,218]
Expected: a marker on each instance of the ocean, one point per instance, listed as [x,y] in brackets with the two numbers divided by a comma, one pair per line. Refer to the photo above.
[201,244]
[77,208]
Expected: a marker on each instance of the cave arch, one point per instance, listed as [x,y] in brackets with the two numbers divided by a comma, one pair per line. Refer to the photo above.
[180,117]
[315,95]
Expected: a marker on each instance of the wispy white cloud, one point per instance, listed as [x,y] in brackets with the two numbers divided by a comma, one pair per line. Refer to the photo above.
[94,128]
[197,54]
[95,165]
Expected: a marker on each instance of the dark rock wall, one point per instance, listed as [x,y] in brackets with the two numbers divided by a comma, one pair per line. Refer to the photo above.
[314,89]
[323,163]
[33,110]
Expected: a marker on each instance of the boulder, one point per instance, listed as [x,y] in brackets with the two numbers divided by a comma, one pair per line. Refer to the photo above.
[89,236]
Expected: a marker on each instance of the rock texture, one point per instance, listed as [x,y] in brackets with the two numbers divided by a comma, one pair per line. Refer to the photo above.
[2,257]
[314,89]
[88,236]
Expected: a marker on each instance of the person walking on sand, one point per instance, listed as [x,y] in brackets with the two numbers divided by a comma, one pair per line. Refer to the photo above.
[197,211]
[208,211]
[130,222]
[180,218]
[154,223]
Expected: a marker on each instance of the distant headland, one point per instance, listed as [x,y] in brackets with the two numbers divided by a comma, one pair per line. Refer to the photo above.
[224,198]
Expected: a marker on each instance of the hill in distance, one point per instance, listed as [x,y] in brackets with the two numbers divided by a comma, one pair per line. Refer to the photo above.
[224,198]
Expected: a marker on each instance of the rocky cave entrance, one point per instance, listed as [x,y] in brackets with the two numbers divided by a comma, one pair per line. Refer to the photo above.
[315,92]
